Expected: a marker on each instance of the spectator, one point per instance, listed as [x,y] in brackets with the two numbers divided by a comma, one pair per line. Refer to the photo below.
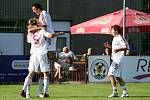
[107,51]
[86,55]
[64,61]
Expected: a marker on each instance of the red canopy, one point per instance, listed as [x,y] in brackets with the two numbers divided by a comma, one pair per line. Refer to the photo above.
[136,22]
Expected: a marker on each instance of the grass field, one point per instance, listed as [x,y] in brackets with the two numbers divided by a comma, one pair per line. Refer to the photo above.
[91,91]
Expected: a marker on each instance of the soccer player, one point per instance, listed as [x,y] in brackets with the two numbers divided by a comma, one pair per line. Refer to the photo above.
[119,46]
[38,58]
[44,20]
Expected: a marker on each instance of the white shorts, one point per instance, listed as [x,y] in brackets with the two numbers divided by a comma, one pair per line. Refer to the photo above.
[115,69]
[39,63]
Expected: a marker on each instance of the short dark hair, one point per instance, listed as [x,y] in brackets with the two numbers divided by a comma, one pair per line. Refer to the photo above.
[37,6]
[116,28]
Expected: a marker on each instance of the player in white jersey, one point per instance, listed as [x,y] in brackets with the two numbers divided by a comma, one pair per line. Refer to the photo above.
[38,58]
[45,20]
[119,46]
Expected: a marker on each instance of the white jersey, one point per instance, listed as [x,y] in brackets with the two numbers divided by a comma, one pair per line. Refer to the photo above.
[38,42]
[45,19]
[118,42]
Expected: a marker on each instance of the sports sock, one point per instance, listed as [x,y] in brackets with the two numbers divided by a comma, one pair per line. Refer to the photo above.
[124,90]
[27,82]
[40,85]
[114,89]
[46,82]
[28,89]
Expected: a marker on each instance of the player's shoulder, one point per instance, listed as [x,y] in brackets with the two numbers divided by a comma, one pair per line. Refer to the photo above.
[44,13]
[119,37]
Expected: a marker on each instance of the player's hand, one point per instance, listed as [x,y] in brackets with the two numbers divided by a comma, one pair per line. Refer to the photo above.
[61,33]
[28,26]
[50,36]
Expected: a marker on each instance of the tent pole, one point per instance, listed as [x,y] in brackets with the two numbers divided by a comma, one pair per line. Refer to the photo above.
[47,6]
[124,18]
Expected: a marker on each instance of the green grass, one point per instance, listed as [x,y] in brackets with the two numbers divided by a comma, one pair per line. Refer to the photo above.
[91,91]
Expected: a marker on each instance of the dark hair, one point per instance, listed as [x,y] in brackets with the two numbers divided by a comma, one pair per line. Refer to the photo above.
[37,6]
[116,28]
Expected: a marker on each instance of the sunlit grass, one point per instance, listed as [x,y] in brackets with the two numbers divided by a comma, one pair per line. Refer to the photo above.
[91,91]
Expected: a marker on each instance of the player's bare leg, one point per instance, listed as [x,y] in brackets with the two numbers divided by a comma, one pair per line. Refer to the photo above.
[114,88]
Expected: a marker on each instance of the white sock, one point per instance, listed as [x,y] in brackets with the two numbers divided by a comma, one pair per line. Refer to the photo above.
[114,89]
[46,82]
[124,90]
[40,83]
[27,82]
[28,89]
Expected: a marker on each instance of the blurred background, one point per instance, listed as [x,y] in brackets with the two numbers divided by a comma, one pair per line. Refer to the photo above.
[14,15]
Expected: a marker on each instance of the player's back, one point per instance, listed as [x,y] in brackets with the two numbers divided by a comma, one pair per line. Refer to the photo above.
[39,42]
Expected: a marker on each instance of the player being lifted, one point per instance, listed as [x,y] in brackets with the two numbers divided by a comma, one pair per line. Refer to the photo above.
[38,58]
[45,20]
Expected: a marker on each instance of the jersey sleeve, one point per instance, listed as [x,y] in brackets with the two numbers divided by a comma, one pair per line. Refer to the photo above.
[123,42]
[45,33]
[46,18]
[43,19]
[29,37]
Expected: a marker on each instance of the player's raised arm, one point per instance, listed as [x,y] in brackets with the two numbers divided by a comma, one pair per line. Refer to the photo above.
[55,34]
[35,29]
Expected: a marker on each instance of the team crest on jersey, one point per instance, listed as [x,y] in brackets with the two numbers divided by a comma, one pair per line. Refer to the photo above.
[99,69]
